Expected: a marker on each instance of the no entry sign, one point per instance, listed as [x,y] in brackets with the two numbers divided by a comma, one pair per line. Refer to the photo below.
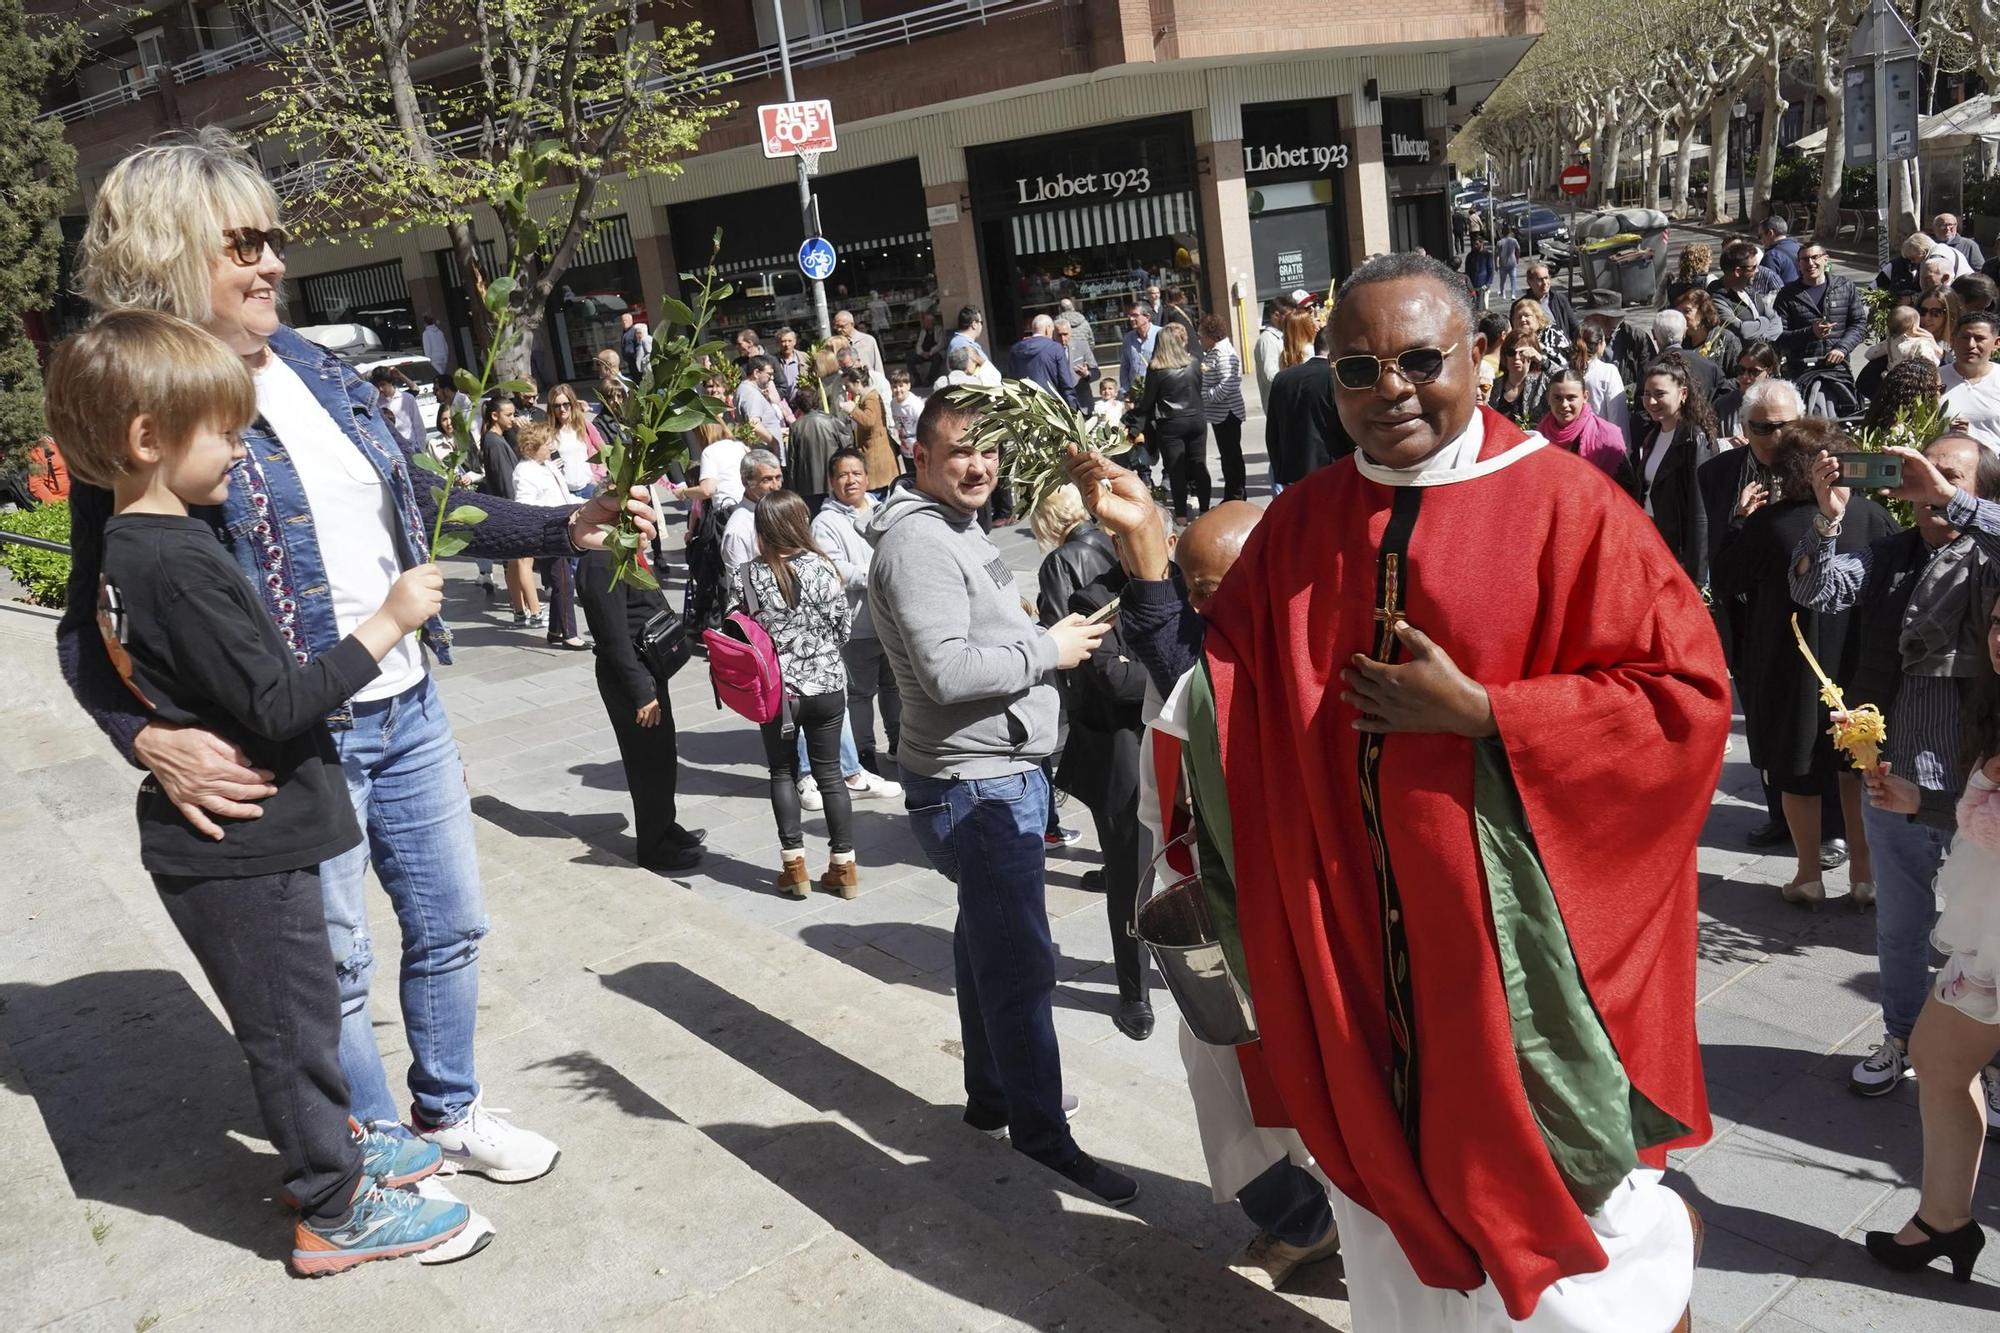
[788,128]
[1575,178]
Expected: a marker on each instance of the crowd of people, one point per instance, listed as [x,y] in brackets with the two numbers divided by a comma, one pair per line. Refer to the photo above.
[1514,589]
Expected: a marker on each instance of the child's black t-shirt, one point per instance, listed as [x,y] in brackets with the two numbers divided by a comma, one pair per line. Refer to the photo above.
[188,635]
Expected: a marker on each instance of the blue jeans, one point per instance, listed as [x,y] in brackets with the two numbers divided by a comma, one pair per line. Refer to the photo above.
[850,761]
[1503,281]
[408,786]
[985,835]
[1289,1202]
[1907,855]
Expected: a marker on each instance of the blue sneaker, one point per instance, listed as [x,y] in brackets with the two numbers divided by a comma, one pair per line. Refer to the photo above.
[395,1156]
[383,1224]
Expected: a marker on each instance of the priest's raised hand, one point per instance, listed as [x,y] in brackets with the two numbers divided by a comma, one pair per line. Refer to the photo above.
[1428,693]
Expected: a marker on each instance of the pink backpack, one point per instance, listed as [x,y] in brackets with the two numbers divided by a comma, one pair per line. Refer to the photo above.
[743,668]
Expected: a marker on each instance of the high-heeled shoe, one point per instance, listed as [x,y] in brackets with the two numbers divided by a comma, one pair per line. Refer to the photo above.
[1809,894]
[1962,1247]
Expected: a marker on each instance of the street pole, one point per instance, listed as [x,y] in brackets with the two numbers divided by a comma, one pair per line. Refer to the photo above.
[806,215]
[1881,143]
[1741,119]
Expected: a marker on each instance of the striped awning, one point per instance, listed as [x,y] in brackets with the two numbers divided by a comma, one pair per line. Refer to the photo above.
[328,294]
[609,242]
[1108,223]
[768,262]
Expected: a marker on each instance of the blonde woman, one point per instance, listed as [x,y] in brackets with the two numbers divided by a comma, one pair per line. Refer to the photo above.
[322,516]
[577,443]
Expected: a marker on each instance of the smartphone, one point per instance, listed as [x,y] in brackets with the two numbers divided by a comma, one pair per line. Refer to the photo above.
[1102,613]
[1870,471]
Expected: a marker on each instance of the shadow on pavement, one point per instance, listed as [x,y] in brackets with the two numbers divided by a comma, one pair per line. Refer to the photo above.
[952,1217]
[144,1095]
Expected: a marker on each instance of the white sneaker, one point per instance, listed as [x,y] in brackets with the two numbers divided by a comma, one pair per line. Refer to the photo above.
[478,1231]
[865,786]
[486,1145]
[1886,1065]
[809,797]
[1989,1085]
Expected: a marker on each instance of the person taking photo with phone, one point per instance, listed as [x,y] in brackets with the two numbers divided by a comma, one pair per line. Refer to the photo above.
[1918,597]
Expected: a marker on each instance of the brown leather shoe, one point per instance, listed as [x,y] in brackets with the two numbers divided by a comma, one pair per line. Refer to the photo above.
[843,878]
[793,879]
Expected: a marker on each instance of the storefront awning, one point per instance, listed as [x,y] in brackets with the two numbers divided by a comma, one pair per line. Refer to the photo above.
[1108,223]
[769,262]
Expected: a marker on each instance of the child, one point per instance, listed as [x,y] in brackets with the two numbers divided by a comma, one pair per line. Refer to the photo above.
[149,407]
[1109,405]
[904,409]
[1906,340]
[537,482]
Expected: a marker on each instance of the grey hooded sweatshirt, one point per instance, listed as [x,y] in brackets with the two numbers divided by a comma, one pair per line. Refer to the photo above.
[974,669]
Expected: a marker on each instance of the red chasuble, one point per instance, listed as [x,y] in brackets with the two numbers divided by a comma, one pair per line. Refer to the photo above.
[1356,857]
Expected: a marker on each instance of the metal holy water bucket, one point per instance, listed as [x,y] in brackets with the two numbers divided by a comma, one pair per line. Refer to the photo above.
[1175,925]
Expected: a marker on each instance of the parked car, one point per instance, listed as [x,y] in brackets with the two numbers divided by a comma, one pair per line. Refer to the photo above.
[361,347]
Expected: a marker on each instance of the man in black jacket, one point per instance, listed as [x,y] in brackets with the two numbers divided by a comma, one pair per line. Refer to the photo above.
[1561,313]
[1825,320]
[1301,432]
[1734,485]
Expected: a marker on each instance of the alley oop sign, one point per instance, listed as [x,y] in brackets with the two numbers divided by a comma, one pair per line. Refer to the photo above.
[790,128]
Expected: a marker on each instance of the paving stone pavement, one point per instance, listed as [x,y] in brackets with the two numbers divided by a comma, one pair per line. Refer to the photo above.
[757,1097]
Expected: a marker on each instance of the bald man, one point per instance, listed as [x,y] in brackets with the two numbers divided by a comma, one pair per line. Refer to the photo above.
[1040,359]
[1167,588]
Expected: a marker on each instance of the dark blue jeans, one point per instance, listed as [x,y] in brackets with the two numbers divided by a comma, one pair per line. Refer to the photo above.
[985,836]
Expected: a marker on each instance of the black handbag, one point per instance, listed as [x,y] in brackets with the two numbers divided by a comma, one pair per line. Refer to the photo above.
[662,644]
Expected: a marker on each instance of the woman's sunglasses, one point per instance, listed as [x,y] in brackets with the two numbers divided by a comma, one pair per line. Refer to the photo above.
[1419,365]
[246,244]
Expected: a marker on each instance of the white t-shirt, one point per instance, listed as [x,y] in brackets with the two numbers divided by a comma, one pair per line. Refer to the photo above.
[353,514]
[1978,401]
[722,463]
[572,460]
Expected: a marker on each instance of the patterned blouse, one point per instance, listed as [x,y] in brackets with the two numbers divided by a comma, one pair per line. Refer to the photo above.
[807,636]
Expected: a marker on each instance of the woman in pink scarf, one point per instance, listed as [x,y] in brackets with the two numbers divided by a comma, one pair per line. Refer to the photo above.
[1570,424]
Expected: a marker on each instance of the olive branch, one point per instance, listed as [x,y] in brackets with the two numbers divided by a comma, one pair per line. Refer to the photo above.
[1033,429]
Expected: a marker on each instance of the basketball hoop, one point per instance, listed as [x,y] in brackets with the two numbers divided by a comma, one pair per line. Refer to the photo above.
[811,161]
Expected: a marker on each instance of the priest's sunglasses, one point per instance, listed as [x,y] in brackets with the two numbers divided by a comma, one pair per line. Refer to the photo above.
[246,244]
[1419,365]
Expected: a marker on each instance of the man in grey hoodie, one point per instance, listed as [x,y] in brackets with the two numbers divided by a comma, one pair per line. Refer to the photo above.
[979,716]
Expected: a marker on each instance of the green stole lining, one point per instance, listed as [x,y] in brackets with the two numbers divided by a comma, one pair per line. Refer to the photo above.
[1591,1117]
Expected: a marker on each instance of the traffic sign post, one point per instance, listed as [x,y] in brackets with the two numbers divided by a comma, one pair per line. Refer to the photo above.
[816,258]
[791,129]
[1879,89]
[1574,180]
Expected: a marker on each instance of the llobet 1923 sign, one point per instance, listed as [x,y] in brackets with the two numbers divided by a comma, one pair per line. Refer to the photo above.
[1316,158]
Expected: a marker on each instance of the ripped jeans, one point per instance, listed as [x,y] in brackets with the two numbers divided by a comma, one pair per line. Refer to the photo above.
[408,786]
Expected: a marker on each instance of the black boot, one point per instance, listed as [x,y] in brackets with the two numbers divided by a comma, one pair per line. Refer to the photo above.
[1134,1018]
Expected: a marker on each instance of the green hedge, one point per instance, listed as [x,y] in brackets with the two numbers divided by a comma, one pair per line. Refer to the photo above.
[45,574]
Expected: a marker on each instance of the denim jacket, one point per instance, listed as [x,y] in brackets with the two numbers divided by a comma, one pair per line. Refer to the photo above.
[268,527]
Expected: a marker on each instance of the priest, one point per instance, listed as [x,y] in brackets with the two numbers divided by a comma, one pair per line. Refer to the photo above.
[1461,722]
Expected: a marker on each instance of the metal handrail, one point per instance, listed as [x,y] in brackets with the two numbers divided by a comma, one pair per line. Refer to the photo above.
[38,543]
[896,30]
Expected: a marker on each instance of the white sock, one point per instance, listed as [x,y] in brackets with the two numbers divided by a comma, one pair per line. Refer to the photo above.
[842,858]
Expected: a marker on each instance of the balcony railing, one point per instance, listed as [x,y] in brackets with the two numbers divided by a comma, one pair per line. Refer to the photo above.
[896,30]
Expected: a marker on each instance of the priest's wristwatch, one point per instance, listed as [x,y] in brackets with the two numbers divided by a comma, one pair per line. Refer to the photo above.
[1825,526]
